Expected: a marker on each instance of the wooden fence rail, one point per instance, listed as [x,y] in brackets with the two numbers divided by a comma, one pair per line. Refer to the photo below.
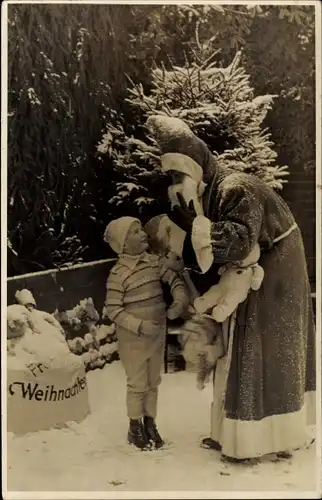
[63,288]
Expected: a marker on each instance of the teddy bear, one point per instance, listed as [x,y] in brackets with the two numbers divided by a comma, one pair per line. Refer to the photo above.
[237,279]
[202,345]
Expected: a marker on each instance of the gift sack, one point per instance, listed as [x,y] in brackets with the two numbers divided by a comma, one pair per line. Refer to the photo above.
[43,395]
[46,383]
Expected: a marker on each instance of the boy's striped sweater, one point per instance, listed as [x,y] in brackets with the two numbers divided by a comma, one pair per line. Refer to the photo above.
[134,291]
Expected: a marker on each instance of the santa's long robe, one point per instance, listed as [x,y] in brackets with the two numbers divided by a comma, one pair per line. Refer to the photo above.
[264,386]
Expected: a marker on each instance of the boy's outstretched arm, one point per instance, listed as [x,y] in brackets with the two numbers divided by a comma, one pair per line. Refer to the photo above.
[179,291]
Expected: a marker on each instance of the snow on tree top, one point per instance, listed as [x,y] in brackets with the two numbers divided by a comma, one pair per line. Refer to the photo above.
[161,125]
[218,106]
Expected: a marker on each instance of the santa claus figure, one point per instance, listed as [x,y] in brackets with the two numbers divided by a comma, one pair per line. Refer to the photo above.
[264,387]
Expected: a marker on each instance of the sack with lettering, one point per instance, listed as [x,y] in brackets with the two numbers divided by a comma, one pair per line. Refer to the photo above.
[46,383]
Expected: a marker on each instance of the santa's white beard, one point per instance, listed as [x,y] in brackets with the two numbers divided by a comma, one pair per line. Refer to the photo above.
[189,190]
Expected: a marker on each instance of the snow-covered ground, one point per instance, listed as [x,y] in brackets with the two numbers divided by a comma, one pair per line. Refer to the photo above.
[94,455]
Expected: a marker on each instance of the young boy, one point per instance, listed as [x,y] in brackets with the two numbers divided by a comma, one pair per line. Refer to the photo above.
[135,303]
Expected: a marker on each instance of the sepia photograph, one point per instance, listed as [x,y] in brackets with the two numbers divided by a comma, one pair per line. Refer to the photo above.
[161,249]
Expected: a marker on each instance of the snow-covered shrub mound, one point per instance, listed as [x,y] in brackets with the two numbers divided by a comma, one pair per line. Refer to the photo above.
[76,331]
[19,321]
[33,334]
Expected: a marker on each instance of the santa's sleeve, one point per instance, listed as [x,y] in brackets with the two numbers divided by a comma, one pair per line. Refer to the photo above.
[235,232]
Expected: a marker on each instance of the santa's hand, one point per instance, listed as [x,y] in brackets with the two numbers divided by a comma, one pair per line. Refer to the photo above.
[183,215]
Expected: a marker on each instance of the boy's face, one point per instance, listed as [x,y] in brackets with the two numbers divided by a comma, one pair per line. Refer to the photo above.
[136,240]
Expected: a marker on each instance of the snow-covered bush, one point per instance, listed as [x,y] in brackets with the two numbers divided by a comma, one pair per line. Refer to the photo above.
[131,168]
[79,319]
[75,330]
[96,344]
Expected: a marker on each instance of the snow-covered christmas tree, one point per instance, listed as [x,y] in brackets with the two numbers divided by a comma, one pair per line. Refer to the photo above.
[219,106]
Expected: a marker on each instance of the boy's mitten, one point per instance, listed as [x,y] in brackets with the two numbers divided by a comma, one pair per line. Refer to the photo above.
[183,215]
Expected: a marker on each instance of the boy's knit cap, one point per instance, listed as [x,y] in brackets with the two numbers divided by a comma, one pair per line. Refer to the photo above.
[116,232]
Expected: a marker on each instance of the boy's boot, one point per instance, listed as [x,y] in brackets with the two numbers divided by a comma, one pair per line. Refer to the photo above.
[151,432]
[137,436]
